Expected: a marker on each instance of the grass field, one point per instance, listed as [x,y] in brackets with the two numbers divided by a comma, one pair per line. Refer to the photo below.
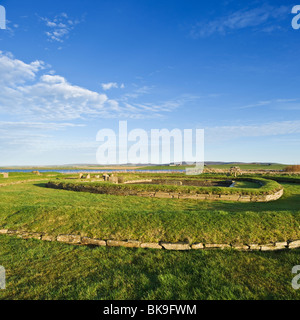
[33,207]
[38,270]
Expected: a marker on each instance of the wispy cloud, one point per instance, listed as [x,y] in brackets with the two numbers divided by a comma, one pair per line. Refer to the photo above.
[225,133]
[112,85]
[59,27]
[266,17]
[22,125]
[31,92]
[287,104]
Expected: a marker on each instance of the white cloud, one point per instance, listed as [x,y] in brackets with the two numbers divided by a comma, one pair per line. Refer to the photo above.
[5,125]
[265,16]
[59,27]
[13,71]
[31,92]
[109,86]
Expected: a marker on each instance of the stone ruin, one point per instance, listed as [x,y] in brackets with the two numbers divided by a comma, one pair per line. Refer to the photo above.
[36,173]
[106,177]
[4,174]
[235,171]
[84,176]
[113,179]
[110,178]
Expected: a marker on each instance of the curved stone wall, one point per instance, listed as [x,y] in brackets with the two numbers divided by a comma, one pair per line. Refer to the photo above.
[181,246]
[172,195]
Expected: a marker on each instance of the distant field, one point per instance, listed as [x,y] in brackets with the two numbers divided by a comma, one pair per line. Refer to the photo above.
[223,166]
[251,166]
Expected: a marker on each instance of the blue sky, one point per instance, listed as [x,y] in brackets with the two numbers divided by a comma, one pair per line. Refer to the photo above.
[229,67]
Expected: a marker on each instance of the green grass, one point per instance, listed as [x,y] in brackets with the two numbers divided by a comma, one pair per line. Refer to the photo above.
[247,184]
[32,207]
[42,270]
[24,176]
[39,270]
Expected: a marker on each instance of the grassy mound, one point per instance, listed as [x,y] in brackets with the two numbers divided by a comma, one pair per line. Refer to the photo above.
[267,187]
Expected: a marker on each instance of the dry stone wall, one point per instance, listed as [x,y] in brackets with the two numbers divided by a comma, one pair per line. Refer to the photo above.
[177,195]
[180,246]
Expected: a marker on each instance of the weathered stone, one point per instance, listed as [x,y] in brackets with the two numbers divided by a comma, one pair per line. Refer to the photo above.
[275,196]
[261,199]
[240,247]
[268,247]
[281,245]
[202,196]
[126,244]
[121,179]
[189,196]
[105,177]
[72,239]
[5,175]
[13,232]
[93,242]
[151,246]
[230,197]
[162,195]
[254,247]
[113,179]
[31,235]
[294,244]
[5,231]
[235,171]
[245,199]
[216,246]
[173,183]
[213,197]
[47,237]
[197,246]
[137,181]
[146,194]
[180,246]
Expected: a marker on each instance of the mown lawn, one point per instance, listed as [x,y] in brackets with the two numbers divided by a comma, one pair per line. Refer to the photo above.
[39,270]
[32,207]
